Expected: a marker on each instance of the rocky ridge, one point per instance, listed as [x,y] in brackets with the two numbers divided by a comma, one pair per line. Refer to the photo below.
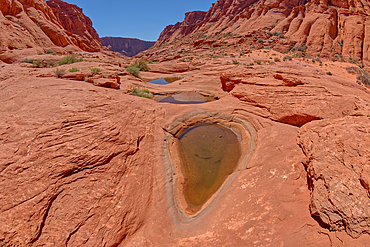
[126,46]
[325,29]
[29,27]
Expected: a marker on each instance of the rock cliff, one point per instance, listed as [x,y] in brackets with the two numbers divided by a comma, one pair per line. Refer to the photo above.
[328,29]
[77,24]
[33,24]
[126,46]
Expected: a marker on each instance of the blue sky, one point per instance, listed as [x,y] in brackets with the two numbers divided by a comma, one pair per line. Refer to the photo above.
[143,19]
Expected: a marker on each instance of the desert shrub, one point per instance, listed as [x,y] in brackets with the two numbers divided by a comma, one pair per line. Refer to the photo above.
[40,53]
[145,93]
[95,70]
[49,51]
[276,59]
[59,72]
[133,70]
[363,77]
[28,60]
[51,64]
[352,70]
[258,62]
[302,47]
[37,63]
[141,64]
[235,62]
[251,64]
[69,59]
[281,35]
[329,73]
[73,70]
[259,40]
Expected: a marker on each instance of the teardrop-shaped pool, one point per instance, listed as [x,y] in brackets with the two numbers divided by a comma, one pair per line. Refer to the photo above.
[209,153]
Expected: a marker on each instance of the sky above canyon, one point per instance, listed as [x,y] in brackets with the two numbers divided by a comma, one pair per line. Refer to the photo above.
[143,19]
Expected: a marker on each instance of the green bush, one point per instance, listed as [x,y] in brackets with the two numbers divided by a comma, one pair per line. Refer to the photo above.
[133,70]
[235,62]
[59,72]
[95,70]
[49,51]
[141,64]
[302,48]
[28,60]
[142,93]
[69,59]
[73,70]
[258,62]
[37,63]
[329,73]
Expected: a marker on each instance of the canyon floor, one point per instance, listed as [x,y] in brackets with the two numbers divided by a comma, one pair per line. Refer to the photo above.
[87,165]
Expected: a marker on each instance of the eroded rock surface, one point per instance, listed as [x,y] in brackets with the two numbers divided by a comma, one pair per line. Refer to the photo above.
[337,163]
[71,158]
[33,24]
[335,29]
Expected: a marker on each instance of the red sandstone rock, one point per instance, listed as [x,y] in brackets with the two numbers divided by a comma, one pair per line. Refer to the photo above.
[32,24]
[104,82]
[85,165]
[77,24]
[334,29]
[337,166]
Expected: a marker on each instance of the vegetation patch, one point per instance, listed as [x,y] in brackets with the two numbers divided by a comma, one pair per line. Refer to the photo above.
[133,70]
[144,93]
[73,70]
[69,59]
[141,64]
[235,62]
[28,60]
[95,70]
[59,72]
[136,67]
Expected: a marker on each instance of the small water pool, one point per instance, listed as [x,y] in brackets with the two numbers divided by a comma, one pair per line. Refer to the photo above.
[209,153]
[165,81]
[185,98]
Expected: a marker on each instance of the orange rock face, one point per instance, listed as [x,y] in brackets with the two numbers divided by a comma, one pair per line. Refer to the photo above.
[77,24]
[33,24]
[334,29]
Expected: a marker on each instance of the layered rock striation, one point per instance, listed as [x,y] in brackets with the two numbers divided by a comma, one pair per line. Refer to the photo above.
[34,24]
[76,24]
[333,29]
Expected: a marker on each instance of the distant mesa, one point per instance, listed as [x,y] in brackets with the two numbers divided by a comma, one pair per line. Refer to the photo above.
[126,46]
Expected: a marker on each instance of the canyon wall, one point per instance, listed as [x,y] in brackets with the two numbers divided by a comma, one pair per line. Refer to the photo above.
[332,29]
[34,24]
[126,46]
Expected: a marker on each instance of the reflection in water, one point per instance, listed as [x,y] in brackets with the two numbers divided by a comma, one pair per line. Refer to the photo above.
[165,81]
[209,153]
